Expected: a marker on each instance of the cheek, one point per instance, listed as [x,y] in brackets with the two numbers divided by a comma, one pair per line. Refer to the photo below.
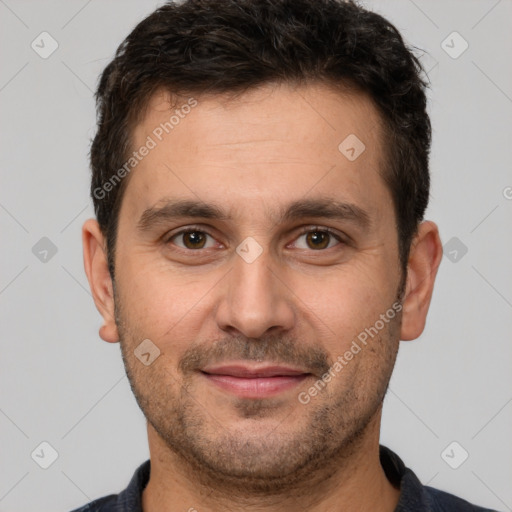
[341,307]
[344,298]
[161,303]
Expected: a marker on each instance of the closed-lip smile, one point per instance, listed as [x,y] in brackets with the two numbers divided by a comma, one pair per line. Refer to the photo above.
[254,381]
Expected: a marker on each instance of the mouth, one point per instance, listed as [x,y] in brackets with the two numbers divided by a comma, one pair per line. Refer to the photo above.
[254,381]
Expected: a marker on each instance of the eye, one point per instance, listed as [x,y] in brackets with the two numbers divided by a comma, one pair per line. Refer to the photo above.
[316,238]
[191,238]
[319,238]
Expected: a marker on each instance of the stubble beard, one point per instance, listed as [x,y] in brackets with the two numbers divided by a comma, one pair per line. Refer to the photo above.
[325,435]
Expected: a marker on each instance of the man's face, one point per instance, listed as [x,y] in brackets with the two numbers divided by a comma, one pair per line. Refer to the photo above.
[285,298]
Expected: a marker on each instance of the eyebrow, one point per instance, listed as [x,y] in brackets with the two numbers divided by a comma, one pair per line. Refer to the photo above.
[328,208]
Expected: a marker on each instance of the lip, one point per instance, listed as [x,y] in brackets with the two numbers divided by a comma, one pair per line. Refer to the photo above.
[254,381]
[248,372]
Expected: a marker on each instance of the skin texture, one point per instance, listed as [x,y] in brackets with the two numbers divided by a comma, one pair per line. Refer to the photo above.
[301,302]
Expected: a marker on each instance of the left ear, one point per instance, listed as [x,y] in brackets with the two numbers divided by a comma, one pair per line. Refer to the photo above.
[424,259]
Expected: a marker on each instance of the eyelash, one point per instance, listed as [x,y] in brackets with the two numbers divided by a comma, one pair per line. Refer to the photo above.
[303,231]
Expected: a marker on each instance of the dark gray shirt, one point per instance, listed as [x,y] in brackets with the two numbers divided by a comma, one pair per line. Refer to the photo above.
[414,497]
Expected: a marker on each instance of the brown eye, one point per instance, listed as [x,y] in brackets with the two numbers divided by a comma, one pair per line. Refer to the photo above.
[190,239]
[194,240]
[318,239]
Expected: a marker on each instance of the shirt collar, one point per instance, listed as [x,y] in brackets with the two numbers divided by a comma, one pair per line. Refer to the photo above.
[412,492]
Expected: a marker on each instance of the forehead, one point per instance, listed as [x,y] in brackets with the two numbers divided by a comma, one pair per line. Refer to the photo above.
[268,145]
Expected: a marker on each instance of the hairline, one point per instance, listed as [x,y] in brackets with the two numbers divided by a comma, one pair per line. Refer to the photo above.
[345,87]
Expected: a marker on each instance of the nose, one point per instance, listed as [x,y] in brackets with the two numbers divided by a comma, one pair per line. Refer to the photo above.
[255,298]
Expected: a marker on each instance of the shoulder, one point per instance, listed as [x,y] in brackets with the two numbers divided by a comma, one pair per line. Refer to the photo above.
[442,501]
[416,497]
[105,504]
[128,499]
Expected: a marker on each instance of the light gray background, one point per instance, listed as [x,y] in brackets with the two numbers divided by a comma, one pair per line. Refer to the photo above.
[61,384]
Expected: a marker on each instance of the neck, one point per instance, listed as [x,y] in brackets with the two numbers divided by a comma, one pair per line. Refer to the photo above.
[354,481]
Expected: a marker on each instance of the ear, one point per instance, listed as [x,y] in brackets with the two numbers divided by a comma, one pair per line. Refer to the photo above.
[424,259]
[100,282]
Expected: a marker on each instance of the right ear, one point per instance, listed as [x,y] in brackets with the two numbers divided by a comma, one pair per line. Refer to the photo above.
[100,281]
